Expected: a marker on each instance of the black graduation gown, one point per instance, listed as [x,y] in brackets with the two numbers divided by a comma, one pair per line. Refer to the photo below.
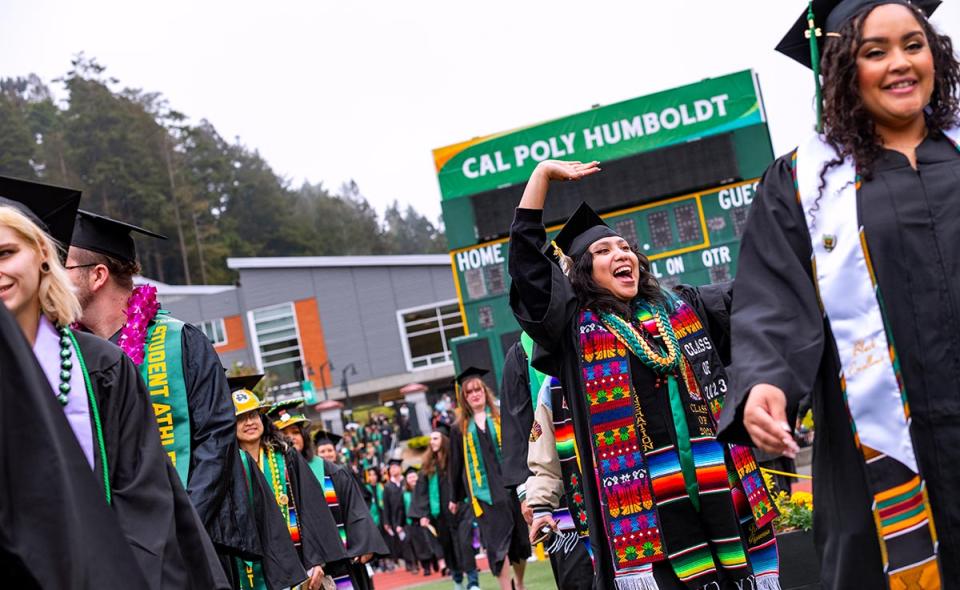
[57,529]
[363,536]
[393,516]
[912,223]
[454,531]
[516,416]
[319,539]
[546,307]
[279,560]
[502,528]
[215,481]
[162,527]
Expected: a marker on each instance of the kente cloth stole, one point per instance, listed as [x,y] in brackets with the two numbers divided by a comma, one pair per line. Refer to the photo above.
[433,489]
[274,468]
[249,573]
[330,495]
[477,479]
[162,371]
[646,493]
[870,378]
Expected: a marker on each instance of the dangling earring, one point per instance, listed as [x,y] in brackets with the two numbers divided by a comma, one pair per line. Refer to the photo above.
[45,267]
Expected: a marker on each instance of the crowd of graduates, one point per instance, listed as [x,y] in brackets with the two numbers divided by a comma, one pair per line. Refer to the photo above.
[620,435]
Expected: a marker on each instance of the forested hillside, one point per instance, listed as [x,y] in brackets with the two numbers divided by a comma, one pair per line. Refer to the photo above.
[139,160]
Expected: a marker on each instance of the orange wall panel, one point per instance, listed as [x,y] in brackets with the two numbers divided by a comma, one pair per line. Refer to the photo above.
[235,338]
[311,339]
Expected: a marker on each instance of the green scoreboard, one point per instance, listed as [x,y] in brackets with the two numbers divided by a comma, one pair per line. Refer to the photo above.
[680,169]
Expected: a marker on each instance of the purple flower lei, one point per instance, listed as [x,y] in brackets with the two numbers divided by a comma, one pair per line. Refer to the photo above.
[142,307]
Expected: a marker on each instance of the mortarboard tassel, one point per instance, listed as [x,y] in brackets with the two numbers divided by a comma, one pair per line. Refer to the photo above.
[812,33]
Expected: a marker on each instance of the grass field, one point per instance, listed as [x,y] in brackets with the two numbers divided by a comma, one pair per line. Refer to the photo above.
[537,577]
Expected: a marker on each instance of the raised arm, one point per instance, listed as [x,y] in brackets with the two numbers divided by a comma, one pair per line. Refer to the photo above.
[540,294]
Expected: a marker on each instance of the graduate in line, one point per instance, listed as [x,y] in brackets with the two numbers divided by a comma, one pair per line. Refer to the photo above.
[100,391]
[296,492]
[475,466]
[642,370]
[183,374]
[431,500]
[848,287]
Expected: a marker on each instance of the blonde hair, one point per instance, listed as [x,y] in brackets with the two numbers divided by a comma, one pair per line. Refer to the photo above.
[57,299]
[464,412]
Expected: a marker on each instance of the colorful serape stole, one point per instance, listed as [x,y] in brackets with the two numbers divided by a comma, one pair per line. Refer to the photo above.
[477,479]
[643,478]
[871,383]
[330,495]
[343,582]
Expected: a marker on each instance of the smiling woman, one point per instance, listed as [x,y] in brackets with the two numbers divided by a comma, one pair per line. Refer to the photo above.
[642,374]
[848,290]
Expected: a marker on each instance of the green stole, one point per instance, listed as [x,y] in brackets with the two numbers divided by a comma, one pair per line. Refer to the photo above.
[537,378]
[407,498]
[249,573]
[477,478]
[376,495]
[162,371]
[433,486]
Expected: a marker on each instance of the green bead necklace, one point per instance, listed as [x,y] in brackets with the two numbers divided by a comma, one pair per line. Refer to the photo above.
[66,365]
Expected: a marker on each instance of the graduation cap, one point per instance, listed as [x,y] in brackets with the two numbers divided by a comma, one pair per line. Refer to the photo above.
[288,413]
[824,18]
[442,428]
[583,228]
[325,437]
[247,382]
[395,461]
[53,208]
[410,470]
[469,373]
[108,236]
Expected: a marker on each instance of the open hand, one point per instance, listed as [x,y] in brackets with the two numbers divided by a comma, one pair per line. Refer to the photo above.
[566,170]
[765,418]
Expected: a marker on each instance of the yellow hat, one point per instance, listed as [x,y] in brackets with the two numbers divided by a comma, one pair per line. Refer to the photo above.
[245,401]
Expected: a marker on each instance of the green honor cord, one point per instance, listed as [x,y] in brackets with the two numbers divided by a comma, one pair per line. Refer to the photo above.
[96,417]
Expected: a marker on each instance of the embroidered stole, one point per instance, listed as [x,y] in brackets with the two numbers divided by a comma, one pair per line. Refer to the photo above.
[647,495]
[162,371]
[870,379]
[343,582]
[477,479]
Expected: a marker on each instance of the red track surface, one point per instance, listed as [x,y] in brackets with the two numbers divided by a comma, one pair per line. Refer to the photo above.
[401,578]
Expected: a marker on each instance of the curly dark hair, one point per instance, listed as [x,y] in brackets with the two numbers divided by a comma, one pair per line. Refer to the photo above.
[593,297]
[847,125]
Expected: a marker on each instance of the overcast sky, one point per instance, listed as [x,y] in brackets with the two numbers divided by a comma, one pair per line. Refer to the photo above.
[328,91]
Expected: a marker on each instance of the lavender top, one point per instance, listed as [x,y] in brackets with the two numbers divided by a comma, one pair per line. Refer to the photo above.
[47,350]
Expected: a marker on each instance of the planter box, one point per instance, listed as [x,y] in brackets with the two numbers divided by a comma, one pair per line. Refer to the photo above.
[799,564]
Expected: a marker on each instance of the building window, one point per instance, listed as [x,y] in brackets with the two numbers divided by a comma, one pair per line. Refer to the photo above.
[215,331]
[426,332]
[278,345]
